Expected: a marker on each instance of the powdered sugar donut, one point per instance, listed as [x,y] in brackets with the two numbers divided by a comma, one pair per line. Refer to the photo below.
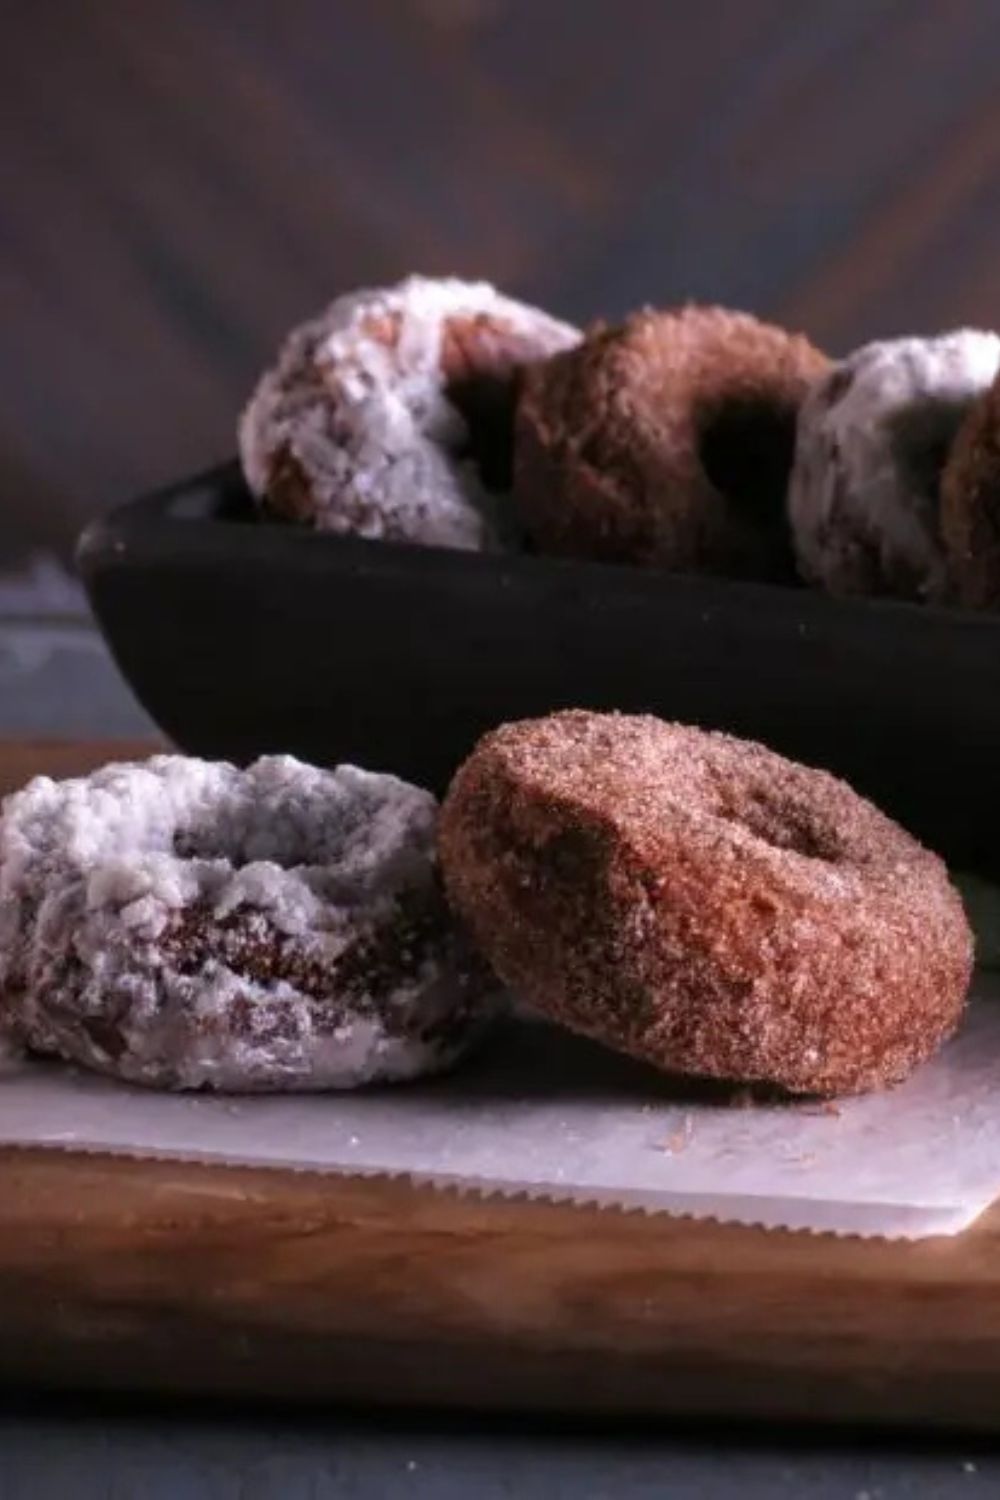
[390,415]
[970,505]
[873,440]
[704,904]
[185,924]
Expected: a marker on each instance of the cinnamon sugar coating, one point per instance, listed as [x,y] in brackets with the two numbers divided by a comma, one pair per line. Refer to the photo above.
[704,904]
[667,441]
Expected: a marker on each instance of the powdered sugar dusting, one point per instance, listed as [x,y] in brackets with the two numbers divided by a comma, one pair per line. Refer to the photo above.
[873,438]
[188,924]
[354,429]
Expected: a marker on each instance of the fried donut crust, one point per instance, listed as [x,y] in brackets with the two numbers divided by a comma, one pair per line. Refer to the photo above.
[704,904]
[666,441]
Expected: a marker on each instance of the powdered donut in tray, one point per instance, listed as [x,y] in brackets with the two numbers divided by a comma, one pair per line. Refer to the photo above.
[390,415]
[667,441]
[704,904]
[970,505]
[184,924]
[874,440]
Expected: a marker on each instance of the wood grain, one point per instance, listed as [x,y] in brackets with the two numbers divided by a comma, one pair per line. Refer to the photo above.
[22,759]
[207,1280]
[182,181]
[154,1276]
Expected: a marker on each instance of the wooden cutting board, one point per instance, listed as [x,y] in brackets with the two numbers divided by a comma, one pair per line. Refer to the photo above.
[152,1276]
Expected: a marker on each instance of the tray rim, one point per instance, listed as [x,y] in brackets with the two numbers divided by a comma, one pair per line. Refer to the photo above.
[143,531]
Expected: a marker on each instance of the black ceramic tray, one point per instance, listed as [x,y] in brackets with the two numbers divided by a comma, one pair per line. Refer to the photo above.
[241,637]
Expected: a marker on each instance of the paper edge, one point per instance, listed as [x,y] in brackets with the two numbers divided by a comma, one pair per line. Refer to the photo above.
[787,1215]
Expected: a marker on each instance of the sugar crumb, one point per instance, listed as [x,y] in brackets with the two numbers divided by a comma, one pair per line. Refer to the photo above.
[680,1139]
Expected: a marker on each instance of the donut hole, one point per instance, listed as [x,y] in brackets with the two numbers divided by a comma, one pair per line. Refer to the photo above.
[746,447]
[485,401]
[216,841]
[247,841]
[921,435]
[782,824]
[480,359]
[346,833]
[250,831]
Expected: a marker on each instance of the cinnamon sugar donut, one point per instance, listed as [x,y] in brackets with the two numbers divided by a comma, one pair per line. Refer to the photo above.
[666,441]
[704,904]
[874,438]
[970,505]
[390,415]
[184,924]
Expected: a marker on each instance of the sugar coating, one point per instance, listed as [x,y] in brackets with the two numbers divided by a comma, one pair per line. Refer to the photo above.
[357,409]
[618,443]
[704,904]
[873,439]
[186,924]
[970,505]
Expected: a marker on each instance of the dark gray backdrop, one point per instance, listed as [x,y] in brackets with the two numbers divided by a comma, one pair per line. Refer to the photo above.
[180,179]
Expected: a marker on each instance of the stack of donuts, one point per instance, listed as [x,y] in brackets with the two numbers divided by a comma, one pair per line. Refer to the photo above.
[695,439]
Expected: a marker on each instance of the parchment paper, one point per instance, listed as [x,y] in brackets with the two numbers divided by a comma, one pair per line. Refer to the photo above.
[546,1114]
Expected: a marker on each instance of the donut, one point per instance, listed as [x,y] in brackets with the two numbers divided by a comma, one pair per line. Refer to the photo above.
[184,925]
[666,441]
[703,904]
[390,416]
[970,505]
[874,437]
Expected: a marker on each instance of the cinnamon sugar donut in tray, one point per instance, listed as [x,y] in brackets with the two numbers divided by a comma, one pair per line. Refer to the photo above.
[241,639]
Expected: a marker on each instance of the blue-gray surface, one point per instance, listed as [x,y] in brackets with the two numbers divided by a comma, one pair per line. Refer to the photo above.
[94,1453]
[56,680]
